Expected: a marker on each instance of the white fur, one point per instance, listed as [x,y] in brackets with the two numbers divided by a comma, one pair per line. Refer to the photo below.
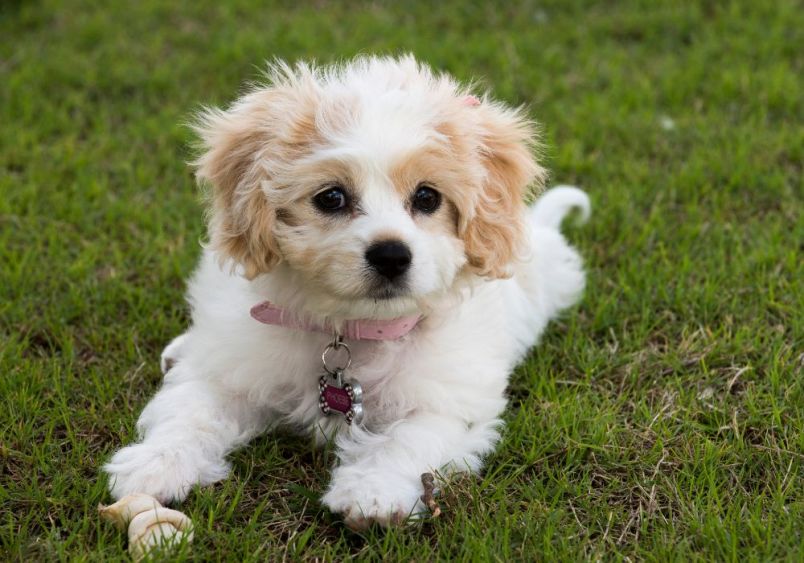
[432,399]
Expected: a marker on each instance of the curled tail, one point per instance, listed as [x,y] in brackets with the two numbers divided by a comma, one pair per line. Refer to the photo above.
[554,204]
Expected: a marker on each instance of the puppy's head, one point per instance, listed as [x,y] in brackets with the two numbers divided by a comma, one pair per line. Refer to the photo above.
[375,181]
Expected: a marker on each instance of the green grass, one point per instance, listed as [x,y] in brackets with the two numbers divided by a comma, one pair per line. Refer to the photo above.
[662,419]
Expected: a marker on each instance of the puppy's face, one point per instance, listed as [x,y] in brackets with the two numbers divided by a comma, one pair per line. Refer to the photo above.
[375,182]
[367,221]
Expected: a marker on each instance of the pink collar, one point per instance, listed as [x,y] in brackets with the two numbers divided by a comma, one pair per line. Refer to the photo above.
[356,329]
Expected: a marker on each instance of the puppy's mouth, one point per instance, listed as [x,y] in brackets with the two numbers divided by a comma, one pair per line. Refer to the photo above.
[383,290]
[387,294]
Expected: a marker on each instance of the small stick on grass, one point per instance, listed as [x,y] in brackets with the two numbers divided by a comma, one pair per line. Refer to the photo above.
[428,498]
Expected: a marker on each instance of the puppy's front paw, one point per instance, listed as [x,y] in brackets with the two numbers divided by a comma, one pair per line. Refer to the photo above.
[164,473]
[365,498]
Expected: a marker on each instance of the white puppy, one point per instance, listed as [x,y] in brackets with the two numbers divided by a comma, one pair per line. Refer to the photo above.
[375,197]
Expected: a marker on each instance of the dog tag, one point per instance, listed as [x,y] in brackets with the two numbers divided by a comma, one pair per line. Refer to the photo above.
[334,393]
[337,395]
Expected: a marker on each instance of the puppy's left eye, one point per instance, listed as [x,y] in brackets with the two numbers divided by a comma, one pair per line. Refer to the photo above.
[426,199]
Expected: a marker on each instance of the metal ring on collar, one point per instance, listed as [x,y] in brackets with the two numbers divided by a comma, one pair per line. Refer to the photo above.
[336,345]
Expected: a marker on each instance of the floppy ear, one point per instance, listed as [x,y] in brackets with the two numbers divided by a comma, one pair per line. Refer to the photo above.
[495,232]
[234,162]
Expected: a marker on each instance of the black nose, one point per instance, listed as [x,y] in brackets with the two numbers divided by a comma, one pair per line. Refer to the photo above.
[389,258]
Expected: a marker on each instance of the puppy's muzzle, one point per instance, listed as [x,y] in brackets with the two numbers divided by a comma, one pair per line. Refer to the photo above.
[390,259]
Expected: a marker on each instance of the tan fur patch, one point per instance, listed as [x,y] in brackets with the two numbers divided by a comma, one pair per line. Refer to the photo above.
[244,148]
[483,166]
[288,217]
[494,233]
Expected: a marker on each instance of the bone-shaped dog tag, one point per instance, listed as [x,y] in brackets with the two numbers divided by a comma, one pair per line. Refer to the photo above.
[335,394]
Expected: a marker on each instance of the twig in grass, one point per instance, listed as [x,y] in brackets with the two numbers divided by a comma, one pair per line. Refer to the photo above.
[783,487]
[625,530]
[660,413]
[777,450]
[578,520]
[658,466]
[428,498]
[734,379]
[608,526]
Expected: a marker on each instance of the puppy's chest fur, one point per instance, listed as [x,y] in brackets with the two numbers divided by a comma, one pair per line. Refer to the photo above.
[379,368]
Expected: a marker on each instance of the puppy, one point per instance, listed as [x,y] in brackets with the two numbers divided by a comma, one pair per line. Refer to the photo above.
[371,212]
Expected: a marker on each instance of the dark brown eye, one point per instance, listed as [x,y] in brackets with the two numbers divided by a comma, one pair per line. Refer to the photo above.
[331,200]
[426,199]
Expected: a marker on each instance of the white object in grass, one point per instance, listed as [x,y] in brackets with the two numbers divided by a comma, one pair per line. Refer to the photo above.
[149,523]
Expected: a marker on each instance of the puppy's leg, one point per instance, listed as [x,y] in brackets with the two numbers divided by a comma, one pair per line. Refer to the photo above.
[172,353]
[186,430]
[379,475]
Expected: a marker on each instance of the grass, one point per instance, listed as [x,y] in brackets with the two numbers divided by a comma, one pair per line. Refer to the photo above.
[659,420]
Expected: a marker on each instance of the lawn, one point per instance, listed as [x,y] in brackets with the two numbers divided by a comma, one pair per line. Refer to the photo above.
[661,419]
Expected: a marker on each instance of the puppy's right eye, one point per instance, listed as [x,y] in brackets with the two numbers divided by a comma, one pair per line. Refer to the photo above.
[331,200]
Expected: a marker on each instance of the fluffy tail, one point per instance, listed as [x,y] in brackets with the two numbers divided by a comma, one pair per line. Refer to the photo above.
[551,208]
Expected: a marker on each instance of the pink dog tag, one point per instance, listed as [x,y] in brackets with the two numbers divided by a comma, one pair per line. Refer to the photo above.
[335,394]
[338,396]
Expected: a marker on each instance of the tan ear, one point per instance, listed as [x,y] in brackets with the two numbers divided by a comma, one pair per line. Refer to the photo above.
[495,232]
[234,147]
